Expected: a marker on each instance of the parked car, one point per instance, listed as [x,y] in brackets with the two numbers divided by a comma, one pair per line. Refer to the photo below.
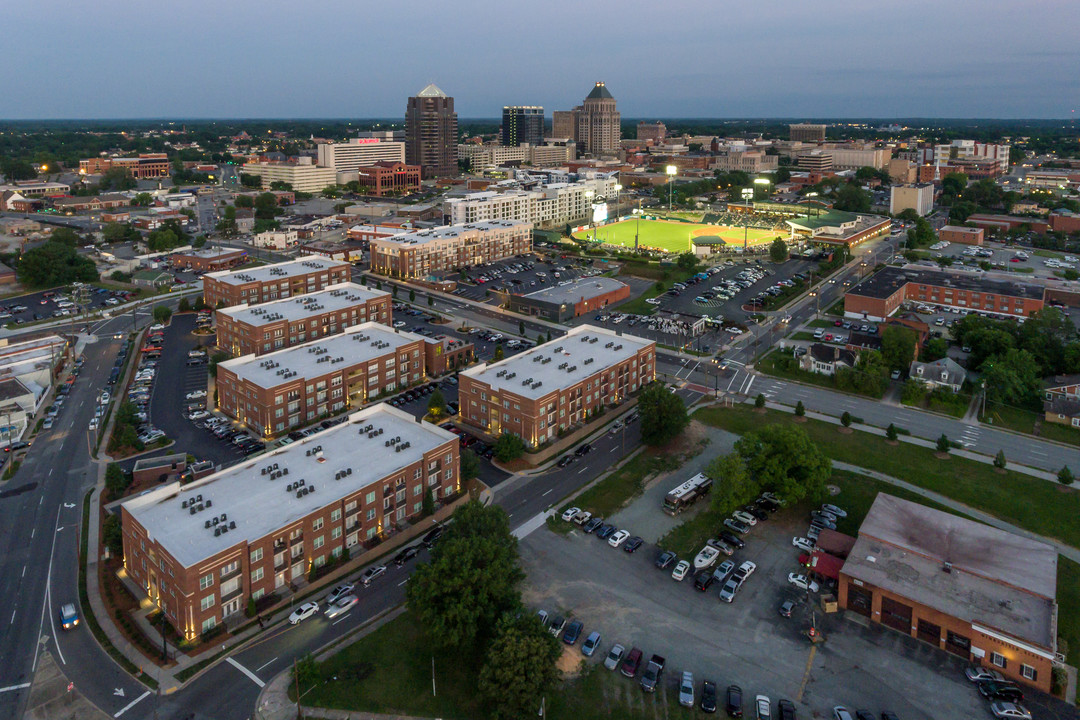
[405,555]
[974,673]
[1010,711]
[614,656]
[834,510]
[733,701]
[591,643]
[681,568]
[786,608]
[732,539]
[573,632]
[803,544]
[686,689]
[665,558]
[592,524]
[801,581]
[633,544]
[542,616]
[736,525]
[631,663]
[303,612]
[727,593]
[704,579]
[841,713]
[618,538]
[763,707]
[708,696]
[605,531]
[994,690]
[744,517]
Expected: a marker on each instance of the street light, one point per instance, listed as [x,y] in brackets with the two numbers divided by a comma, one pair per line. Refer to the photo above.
[671,171]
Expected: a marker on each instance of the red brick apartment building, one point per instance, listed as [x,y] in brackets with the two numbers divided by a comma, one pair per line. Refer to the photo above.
[286,389]
[451,247]
[983,594]
[200,551]
[556,385]
[146,165]
[881,294]
[385,177]
[306,274]
[280,324]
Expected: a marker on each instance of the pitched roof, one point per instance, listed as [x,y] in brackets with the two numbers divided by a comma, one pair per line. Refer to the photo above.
[1057,381]
[1062,406]
[954,373]
[432,90]
[600,92]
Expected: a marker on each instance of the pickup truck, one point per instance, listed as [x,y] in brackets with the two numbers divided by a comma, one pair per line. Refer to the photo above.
[651,677]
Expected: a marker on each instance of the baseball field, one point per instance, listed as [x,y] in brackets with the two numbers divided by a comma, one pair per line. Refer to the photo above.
[670,236]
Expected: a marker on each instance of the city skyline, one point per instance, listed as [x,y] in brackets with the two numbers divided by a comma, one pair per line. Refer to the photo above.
[987,60]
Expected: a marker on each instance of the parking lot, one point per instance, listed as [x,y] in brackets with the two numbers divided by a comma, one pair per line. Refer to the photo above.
[54,304]
[521,275]
[999,258]
[747,642]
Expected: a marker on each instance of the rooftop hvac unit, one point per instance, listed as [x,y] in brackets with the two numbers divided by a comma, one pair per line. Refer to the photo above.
[593,340]
[192,510]
[224,529]
[207,524]
[299,494]
[289,487]
[232,524]
[184,504]
[217,532]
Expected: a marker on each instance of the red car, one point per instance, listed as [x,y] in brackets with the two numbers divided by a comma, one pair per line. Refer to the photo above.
[838,323]
[828,337]
[631,664]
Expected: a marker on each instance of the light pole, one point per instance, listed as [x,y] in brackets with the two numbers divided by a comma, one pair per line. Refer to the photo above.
[671,171]
[618,199]
[748,197]
[589,194]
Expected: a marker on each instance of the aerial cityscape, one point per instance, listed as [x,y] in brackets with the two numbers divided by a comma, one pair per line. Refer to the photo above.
[321,380]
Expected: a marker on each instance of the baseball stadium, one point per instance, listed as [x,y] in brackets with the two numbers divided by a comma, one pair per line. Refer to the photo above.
[680,235]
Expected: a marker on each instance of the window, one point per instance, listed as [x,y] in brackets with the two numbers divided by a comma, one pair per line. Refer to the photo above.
[229,568]
[335,515]
[1029,672]
[371,514]
[317,525]
[257,595]
[230,586]
[256,575]
[350,506]
[256,555]
[318,542]
[335,533]
[208,624]
[207,602]
[370,498]
[206,581]
[997,660]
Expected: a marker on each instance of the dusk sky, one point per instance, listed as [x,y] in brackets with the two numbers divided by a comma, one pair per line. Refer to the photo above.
[342,58]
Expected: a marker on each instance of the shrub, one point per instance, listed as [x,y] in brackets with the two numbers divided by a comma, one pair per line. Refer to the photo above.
[1065,476]
[759,401]
[943,443]
[890,432]
[845,419]
[800,409]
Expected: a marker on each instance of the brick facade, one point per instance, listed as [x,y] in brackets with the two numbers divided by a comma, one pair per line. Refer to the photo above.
[263,284]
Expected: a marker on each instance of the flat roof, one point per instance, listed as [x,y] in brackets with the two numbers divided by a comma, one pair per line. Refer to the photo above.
[574,290]
[209,253]
[569,360]
[998,579]
[259,505]
[960,229]
[355,345]
[277,271]
[445,232]
[889,280]
[333,298]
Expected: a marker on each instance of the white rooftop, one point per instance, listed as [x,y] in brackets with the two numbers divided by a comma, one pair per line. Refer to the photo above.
[574,290]
[277,271]
[259,505]
[211,252]
[335,297]
[445,232]
[353,346]
[581,353]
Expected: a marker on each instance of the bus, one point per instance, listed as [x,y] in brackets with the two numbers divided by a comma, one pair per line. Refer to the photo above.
[686,494]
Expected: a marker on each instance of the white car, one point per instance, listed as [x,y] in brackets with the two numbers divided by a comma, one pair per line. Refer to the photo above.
[338,592]
[763,706]
[341,606]
[802,583]
[93,424]
[156,326]
[104,399]
[744,517]
[618,538]
[582,517]
[399,323]
[841,713]
[195,395]
[199,415]
[569,513]
[803,543]
[747,569]
[653,301]
[681,568]
[303,612]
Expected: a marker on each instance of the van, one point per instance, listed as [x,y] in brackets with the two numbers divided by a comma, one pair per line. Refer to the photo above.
[819,333]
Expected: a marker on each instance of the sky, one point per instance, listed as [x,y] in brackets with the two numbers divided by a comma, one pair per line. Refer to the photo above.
[662,59]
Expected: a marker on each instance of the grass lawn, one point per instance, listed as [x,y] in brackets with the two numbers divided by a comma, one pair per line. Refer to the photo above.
[1037,505]
[768,364]
[1024,421]
[803,336]
[1048,254]
[837,308]
[822,323]
[1068,598]
[670,236]
[946,403]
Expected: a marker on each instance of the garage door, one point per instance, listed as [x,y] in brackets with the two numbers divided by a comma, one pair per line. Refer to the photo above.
[929,632]
[896,615]
[859,599]
[958,644]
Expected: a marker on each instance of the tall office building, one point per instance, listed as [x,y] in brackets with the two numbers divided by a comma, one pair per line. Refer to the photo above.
[522,125]
[562,124]
[597,124]
[807,132]
[431,132]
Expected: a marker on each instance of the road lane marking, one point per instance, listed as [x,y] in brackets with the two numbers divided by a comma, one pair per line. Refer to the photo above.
[542,495]
[45,600]
[265,664]
[346,615]
[9,688]
[131,704]
[251,676]
[12,621]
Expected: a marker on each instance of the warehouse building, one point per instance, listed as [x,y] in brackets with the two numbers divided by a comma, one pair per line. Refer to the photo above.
[202,550]
[280,324]
[570,299]
[983,594]
[306,274]
[544,391]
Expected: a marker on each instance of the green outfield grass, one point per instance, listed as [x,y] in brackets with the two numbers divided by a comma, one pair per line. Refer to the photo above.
[673,237]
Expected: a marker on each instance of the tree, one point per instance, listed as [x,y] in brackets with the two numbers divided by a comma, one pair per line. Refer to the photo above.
[784,459]
[908,215]
[117,179]
[953,184]
[499,353]
[999,460]
[436,403]
[898,346]
[250,181]
[470,465]
[845,419]
[113,535]
[199,242]
[778,251]
[116,482]
[431,301]
[509,447]
[54,263]
[934,349]
[119,232]
[471,580]
[395,291]
[800,409]
[520,667]
[1012,379]
[663,414]
[852,198]
[412,295]
[687,261]
[227,224]
[244,201]
[66,236]
[943,444]
[759,401]
[16,169]
[521,327]
[1065,476]
[162,313]
[738,486]
[163,239]
[184,306]
[142,199]
[427,506]
[891,433]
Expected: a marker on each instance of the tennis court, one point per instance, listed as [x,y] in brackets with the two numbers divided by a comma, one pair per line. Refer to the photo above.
[669,236]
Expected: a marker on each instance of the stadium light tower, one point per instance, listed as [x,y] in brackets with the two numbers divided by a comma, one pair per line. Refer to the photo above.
[763,183]
[747,196]
[671,171]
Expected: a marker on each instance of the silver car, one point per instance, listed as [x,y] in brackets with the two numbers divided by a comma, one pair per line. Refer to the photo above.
[614,657]
[686,689]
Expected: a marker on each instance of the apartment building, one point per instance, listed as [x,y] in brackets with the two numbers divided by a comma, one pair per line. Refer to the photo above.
[358,152]
[451,247]
[655,131]
[280,324]
[285,389]
[542,204]
[146,165]
[305,274]
[485,156]
[541,392]
[522,125]
[302,175]
[202,550]
[918,197]
[748,161]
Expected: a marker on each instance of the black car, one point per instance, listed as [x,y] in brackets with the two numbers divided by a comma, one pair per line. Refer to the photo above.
[732,539]
[708,697]
[592,524]
[584,449]
[733,704]
[565,460]
[862,715]
[758,513]
[704,579]
[787,711]
[767,505]
[405,555]
[1007,691]
[632,543]
[605,531]
[665,558]
[432,536]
